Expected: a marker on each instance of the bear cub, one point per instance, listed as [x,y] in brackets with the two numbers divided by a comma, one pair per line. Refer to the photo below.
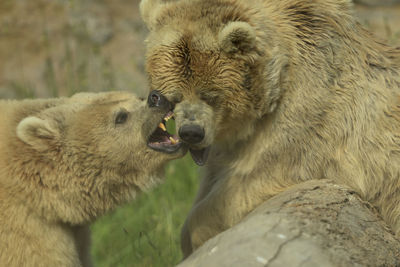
[64,162]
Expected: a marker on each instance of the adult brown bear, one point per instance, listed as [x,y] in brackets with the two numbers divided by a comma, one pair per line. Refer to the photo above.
[276,92]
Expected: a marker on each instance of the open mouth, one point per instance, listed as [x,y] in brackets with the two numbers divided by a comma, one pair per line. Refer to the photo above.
[161,140]
[200,155]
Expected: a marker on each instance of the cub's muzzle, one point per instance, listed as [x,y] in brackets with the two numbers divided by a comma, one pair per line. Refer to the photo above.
[160,139]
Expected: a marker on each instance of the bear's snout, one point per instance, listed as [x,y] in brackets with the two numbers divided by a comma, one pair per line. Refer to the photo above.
[156,99]
[191,133]
[195,123]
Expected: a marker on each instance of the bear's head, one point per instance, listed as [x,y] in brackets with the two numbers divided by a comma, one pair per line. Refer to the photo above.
[215,60]
[81,158]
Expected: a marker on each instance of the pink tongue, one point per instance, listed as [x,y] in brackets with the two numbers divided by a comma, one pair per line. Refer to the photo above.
[200,156]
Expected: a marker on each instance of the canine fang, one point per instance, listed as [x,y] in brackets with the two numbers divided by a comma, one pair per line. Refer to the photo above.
[162,126]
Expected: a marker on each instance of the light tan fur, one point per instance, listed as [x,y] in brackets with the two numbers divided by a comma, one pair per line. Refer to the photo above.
[65,162]
[286,91]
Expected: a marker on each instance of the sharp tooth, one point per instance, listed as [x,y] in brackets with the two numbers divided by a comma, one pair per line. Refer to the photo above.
[162,126]
[173,141]
[169,116]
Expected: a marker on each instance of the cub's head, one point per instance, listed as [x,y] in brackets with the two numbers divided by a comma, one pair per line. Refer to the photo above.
[93,152]
[213,60]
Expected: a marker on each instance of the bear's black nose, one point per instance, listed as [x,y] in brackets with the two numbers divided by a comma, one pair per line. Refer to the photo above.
[192,134]
[156,99]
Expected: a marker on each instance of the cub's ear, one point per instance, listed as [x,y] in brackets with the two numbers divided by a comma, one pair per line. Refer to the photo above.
[236,37]
[149,10]
[37,133]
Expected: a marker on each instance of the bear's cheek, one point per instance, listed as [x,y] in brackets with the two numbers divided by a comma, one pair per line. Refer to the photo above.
[233,119]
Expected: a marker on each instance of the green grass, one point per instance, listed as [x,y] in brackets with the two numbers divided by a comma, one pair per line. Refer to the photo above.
[146,232]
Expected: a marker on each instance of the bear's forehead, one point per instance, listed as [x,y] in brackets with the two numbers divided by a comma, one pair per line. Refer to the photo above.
[207,13]
[114,97]
[188,70]
[185,60]
[114,105]
[193,37]
[197,21]
[108,102]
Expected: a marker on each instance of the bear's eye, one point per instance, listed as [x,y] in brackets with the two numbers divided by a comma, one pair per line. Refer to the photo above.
[210,98]
[121,117]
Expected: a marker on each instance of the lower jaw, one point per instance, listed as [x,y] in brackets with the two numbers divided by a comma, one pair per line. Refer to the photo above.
[166,149]
[200,156]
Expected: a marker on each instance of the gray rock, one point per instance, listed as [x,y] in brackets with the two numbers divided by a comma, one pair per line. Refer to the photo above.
[316,223]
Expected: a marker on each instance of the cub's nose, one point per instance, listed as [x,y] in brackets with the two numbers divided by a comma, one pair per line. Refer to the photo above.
[156,99]
[192,134]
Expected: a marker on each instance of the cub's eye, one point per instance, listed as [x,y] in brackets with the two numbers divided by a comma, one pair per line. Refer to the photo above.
[121,117]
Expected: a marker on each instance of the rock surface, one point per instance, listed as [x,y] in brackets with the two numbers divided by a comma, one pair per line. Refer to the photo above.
[316,224]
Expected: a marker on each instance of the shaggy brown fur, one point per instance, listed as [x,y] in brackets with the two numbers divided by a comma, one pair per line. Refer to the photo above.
[65,162]
[286,91]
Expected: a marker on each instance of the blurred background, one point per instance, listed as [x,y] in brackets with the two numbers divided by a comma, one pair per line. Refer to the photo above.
[59,47]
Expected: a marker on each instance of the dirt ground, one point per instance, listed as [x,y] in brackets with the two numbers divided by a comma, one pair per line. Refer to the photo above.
[57,47]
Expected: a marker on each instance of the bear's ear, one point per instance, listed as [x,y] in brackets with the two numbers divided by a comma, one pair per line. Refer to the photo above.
[236,37]
[149,10]
[37,133]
